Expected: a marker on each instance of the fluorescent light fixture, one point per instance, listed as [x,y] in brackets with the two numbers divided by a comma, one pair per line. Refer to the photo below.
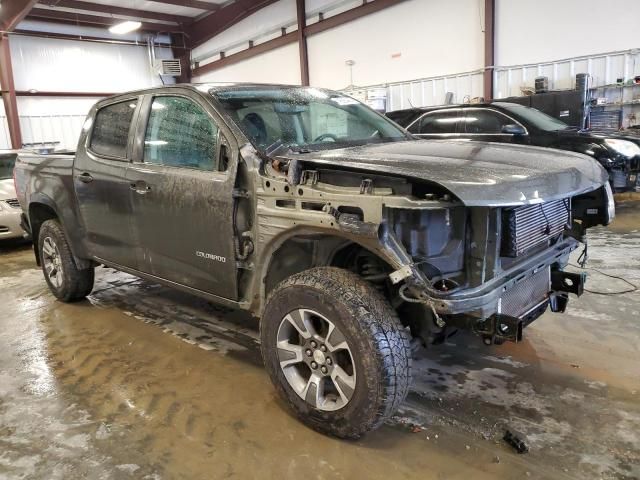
[125,27]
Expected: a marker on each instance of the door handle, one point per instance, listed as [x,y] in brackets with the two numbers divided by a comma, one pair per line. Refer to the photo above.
[140,187]
[85,177]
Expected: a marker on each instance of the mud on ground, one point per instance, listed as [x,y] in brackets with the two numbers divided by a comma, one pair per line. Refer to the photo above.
[144,382]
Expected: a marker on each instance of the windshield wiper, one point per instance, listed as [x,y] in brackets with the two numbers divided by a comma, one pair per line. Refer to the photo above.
[299,149]
[280,148]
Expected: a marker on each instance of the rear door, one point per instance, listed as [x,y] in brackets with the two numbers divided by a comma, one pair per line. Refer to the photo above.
[438,124]
[181,194]
[100,182]
[486,124]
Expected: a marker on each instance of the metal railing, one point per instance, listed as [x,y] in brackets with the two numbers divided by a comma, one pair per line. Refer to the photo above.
[428,91]
[604,69]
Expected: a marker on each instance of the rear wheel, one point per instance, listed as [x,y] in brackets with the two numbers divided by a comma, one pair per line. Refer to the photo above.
[336,351]
[65,280]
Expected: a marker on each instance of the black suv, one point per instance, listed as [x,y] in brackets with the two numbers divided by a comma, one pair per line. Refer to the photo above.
[513,123]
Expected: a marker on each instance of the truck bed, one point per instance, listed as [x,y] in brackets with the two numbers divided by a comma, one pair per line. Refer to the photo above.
[45,182]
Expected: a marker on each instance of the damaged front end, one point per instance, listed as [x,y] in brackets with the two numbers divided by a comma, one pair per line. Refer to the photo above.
[490,270]
[445,264]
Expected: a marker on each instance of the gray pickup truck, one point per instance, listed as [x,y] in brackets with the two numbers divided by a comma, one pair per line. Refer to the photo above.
[345,235]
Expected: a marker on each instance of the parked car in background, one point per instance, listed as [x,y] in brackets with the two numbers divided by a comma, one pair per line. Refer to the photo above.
[512,123]
[9,207]
[340,231]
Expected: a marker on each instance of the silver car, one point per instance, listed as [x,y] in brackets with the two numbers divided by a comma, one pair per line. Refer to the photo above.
[9,207]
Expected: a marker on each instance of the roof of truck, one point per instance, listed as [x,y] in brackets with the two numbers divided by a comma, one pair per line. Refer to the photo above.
[202,87]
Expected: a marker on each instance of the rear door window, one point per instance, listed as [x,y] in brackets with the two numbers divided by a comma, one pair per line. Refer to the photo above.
[484,121]
[443,122]
[111,129]
[180,133]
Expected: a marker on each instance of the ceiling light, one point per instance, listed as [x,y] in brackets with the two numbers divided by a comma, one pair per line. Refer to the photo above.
[125,27]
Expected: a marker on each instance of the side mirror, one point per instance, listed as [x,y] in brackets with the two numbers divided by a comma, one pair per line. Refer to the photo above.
[514,129]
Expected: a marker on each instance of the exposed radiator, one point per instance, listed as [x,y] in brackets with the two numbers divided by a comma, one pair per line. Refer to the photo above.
[526,295]
[531,225]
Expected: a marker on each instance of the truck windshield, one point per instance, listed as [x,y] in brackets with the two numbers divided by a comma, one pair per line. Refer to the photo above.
[537,118]
[6,166]
[304,118]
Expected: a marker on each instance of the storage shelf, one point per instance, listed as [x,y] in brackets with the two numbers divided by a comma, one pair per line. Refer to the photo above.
[614,85]
[616,104]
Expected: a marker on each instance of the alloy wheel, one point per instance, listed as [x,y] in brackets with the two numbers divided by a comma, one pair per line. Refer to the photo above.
[316,359]
[52,262]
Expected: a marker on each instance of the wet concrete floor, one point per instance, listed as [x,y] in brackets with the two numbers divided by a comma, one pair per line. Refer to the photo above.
[144,382]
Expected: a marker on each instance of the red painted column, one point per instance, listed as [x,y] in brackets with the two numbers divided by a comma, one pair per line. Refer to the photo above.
[302,42]
[489,47]
[9,93]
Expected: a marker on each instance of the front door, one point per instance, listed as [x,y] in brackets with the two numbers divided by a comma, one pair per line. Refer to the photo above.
[100,181]
[182,196]
[438,124]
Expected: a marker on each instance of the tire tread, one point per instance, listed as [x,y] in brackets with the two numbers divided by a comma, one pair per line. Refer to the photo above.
[80,281]
[380,321]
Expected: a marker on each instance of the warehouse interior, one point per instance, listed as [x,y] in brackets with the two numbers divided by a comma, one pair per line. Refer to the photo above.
[147,377]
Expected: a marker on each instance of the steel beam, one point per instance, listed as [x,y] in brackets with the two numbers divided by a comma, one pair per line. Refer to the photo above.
[113,10]
[489,47]
[211,7]
[302,41]
[9,93]
[208,27]
[13,12]
[180,47]
[85,38]
[92,20]
[38,93]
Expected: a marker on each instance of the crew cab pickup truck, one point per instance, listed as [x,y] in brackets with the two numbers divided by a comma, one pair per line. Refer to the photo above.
[342,232]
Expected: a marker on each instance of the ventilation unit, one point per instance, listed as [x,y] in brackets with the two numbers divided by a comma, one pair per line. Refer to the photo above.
[168,67]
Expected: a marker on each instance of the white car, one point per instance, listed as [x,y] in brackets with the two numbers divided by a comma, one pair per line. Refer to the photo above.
[9,207]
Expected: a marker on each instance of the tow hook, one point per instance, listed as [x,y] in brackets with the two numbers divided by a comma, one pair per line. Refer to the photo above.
[562,284]
[499,327]
[568,282]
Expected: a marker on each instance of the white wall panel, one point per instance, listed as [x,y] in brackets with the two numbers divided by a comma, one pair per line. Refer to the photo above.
[277,66]
[543,30]
[411,40]
[64,65]
[45,64]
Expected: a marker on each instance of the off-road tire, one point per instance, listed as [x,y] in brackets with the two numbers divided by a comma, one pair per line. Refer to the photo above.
[76,283]
[378,341]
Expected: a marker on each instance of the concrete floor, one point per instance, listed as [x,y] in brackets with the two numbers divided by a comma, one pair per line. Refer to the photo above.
[144,382]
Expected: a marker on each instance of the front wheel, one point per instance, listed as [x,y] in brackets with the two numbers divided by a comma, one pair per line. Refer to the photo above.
[336,351]
[66,281]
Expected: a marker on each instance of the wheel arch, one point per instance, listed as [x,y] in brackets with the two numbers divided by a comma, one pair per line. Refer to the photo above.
[39,211]
[301,249]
